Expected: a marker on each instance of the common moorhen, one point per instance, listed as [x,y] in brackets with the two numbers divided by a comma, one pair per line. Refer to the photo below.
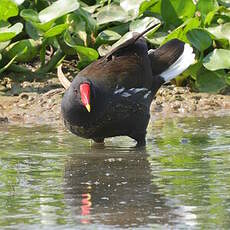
[112,96]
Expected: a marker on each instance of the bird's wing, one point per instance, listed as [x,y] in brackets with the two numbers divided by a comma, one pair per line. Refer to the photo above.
[129,42]
[127,67]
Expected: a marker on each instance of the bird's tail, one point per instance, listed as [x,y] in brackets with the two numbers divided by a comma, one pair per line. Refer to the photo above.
[171,59]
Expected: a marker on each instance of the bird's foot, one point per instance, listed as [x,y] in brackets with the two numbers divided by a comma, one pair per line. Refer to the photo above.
[99,141]
[140,139]
[141,143]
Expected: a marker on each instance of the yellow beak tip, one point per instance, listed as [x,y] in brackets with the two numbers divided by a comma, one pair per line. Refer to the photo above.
[88,108]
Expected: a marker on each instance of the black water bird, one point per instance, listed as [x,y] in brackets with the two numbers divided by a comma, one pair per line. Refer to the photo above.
[112,96]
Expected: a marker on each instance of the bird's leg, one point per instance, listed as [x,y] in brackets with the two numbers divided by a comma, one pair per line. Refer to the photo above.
[99,140]
[140,139]
[141,143]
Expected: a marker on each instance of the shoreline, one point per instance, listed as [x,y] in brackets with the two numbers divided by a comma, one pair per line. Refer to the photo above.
[38,103]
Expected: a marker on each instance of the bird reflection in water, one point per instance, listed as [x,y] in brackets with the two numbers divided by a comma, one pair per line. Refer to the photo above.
[85,207]
[114,188]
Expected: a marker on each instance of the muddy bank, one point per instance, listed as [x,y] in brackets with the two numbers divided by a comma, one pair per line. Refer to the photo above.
[174,101]
[39,103]
[31,103]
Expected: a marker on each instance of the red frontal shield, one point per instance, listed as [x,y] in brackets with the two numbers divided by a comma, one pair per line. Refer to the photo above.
[85,95]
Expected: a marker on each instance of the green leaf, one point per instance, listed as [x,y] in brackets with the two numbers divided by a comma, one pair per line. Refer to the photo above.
[181,31]
[86,55]
[90,22]
[30,15]
[72,40]
[65,48]
[43,26]
[111,13]
[55,30]
[131,7]
[175,12]
[220,32]
[13,59]
[120,29]
[227,79]
[107,37]
[128,5]
[209,81]
[29,46]
[82,26]
[42,52]
[199,38]
[7,9]
[3,45]
[193,70]
[210,15]
[157,38]
[225,3]
[56,58]
[5,36]
[124,38]
[104,49]
[58,9]
[205,7]
[78,29]
[7,33]
[218,59]
[91,9]
[32,31]
[18,2]
[139,25]
[152,5]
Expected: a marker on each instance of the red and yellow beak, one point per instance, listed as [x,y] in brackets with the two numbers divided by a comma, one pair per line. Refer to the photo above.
[85,95]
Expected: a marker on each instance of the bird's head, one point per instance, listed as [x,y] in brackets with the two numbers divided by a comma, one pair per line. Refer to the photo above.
[82,92]
[82,96]
[78,101]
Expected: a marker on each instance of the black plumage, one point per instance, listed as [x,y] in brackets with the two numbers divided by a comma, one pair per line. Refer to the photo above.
[122,86]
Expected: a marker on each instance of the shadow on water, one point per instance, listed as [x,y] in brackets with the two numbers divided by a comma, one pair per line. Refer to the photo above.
[51,179]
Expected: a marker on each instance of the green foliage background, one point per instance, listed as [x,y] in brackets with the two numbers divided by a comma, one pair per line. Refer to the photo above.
[90,28]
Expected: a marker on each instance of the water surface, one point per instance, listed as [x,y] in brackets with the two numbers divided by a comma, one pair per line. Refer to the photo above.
[50,179]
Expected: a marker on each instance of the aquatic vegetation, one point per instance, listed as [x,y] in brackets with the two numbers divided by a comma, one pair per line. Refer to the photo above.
[85,30]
